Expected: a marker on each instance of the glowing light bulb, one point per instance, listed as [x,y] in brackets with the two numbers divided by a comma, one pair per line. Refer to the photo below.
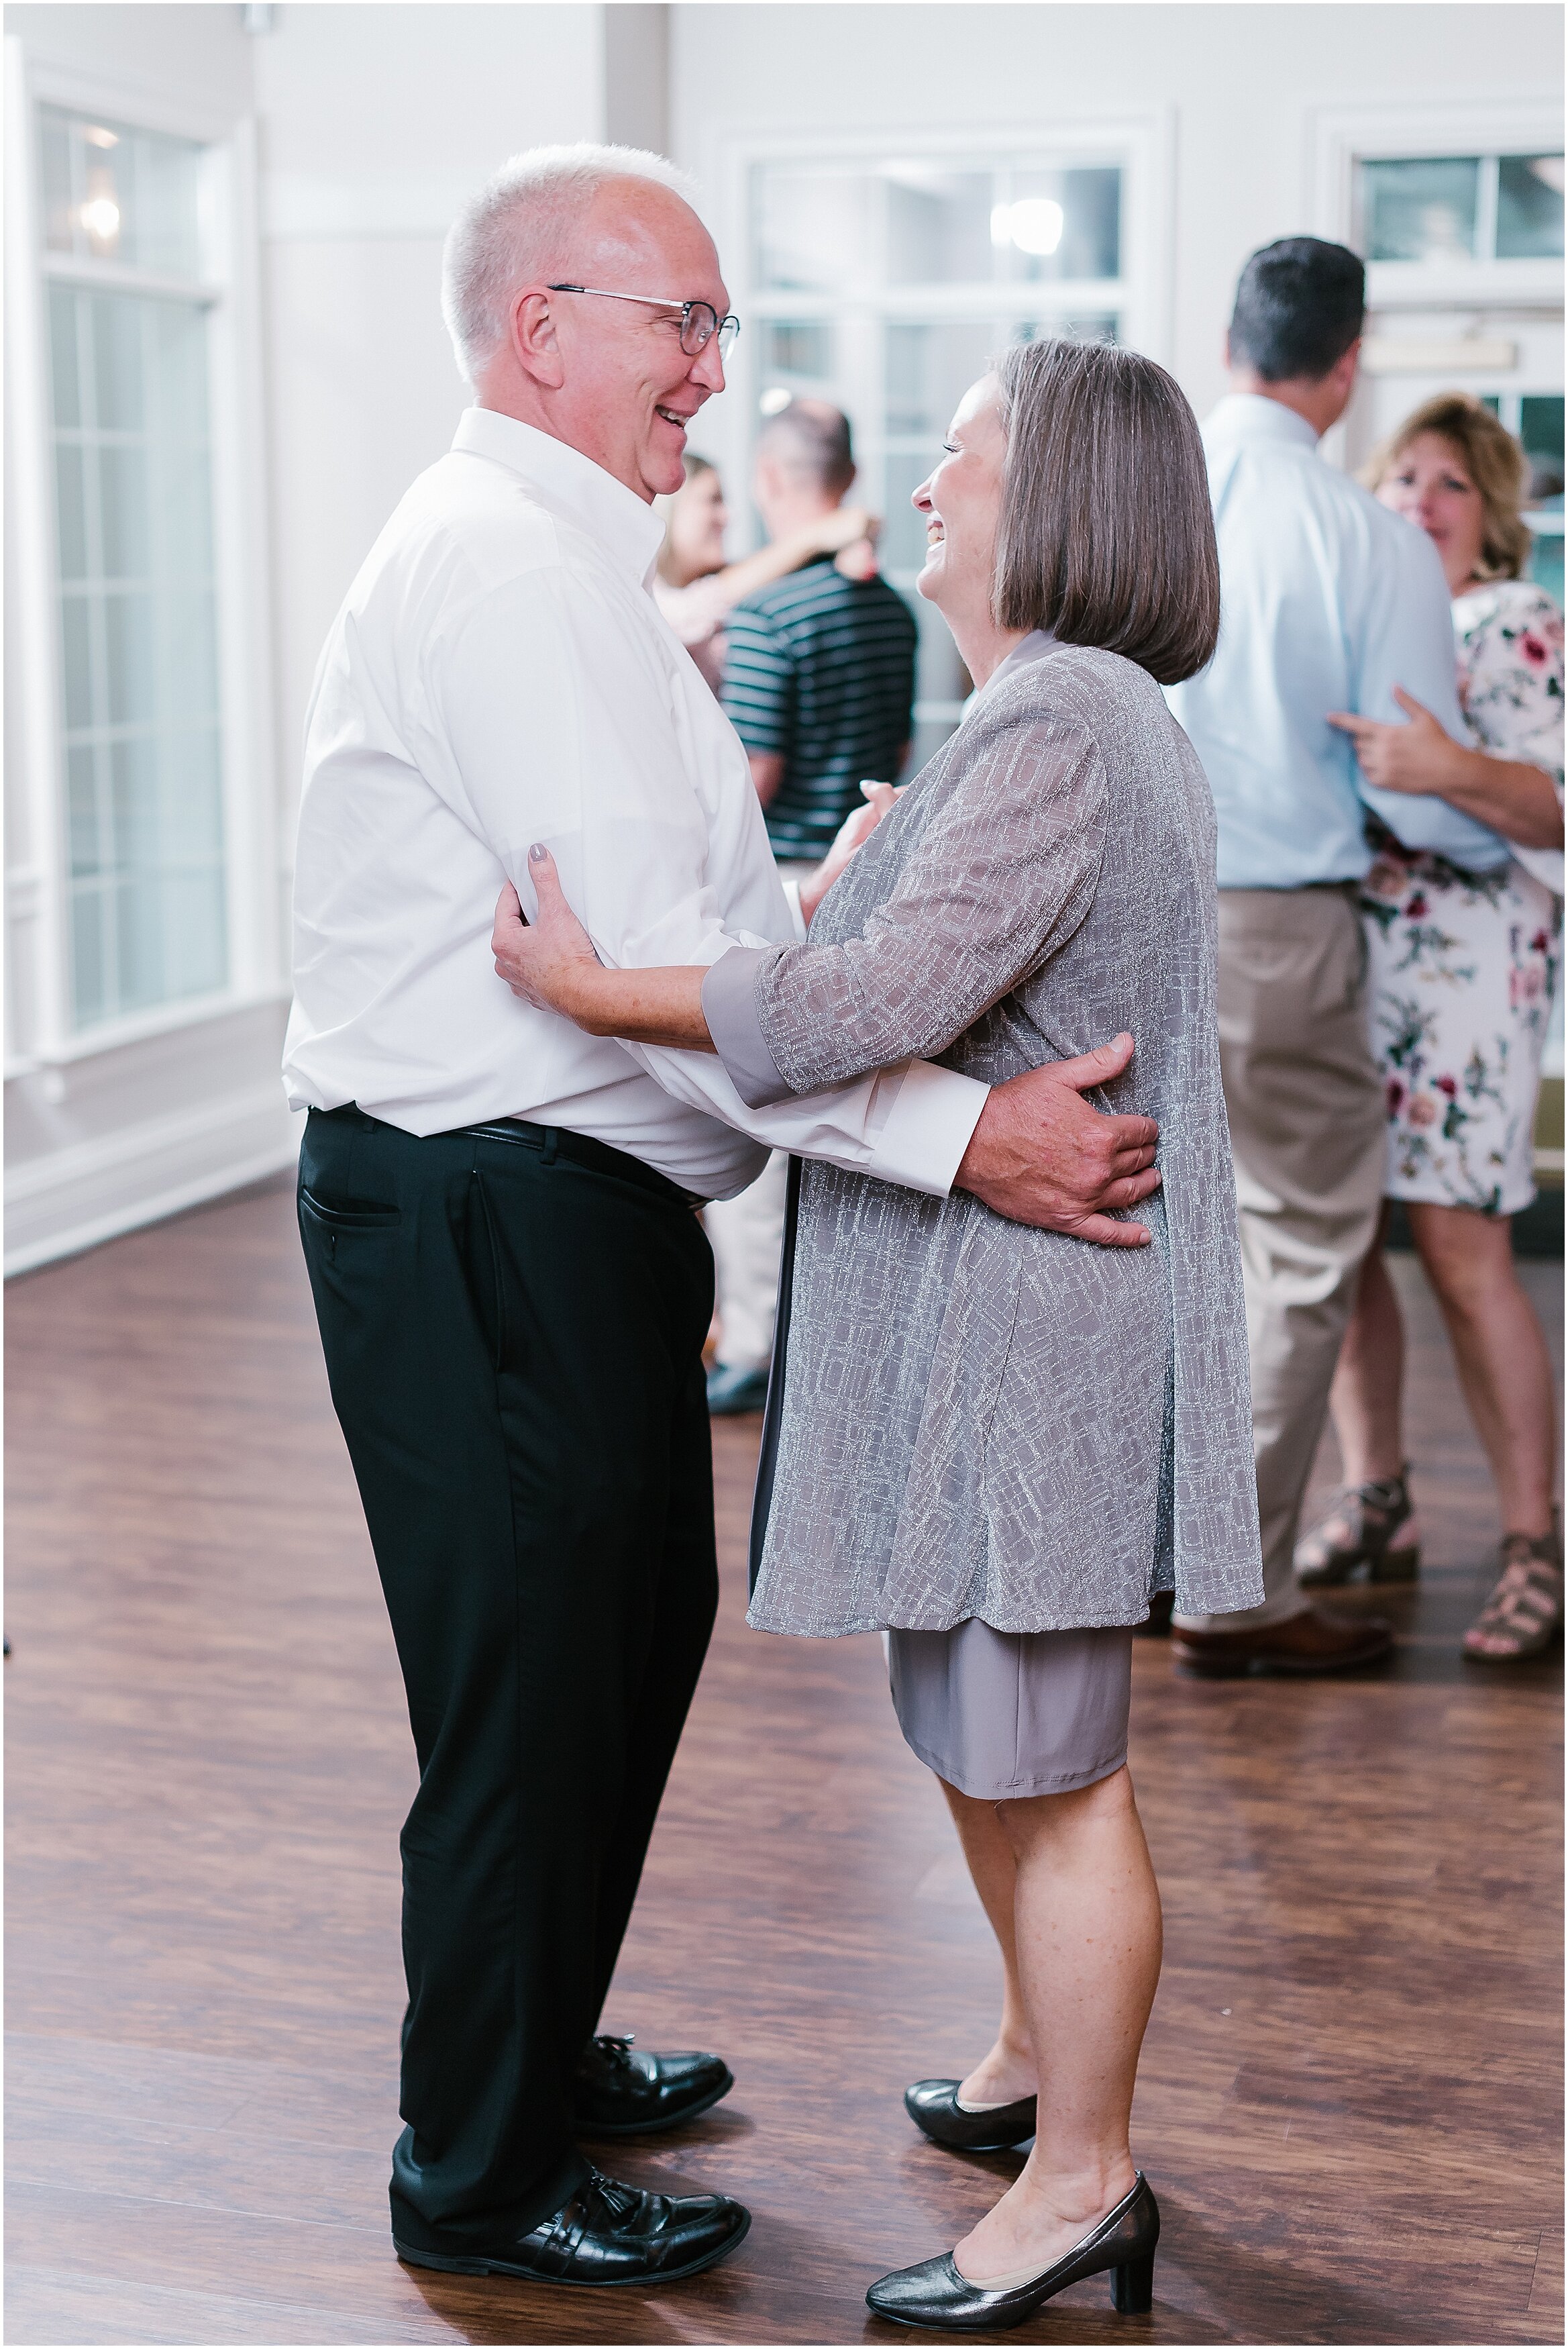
[100,218]
[1035,224]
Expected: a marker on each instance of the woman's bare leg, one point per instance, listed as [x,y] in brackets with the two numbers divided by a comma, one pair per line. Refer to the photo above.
[1007,2071]
[1366,1399]
[1501,1352]
[1088,1932]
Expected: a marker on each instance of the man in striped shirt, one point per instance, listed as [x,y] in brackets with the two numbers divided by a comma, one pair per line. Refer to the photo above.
[819,683]
[819,669]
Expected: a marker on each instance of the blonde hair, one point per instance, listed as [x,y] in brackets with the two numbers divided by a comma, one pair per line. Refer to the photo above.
[664,506]
[1492,457]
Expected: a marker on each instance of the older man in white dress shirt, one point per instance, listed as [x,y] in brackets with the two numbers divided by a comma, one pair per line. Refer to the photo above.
[496,1210]
[1327,601]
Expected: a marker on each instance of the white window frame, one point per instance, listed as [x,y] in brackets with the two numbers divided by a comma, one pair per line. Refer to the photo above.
[1344,137]
[37,890]
[1141,144]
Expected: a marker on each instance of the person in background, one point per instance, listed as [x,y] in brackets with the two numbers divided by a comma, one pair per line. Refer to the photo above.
[1463,967]
[819,685]
[1329,603]
[696,589]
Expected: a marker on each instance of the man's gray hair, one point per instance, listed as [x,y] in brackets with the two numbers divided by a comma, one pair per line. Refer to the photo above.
[518,228]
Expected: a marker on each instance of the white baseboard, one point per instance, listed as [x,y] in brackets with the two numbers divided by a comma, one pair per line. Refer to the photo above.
[85,1193]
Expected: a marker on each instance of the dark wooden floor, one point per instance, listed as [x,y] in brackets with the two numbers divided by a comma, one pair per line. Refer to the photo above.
[1349,2103]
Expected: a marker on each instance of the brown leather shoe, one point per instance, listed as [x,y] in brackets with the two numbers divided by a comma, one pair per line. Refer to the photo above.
[1310,1641]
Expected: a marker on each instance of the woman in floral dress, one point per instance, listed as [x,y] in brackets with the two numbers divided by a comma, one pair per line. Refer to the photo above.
[1463,968]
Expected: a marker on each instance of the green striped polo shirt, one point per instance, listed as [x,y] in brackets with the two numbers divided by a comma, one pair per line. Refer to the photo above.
[822,669]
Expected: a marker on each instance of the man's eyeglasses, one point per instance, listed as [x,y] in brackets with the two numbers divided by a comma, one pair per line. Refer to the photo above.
[700,322]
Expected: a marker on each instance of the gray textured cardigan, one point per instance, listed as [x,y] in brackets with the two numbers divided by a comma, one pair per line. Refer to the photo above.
[975,1418]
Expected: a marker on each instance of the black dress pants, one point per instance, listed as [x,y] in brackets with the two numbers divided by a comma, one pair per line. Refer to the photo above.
[514,1320]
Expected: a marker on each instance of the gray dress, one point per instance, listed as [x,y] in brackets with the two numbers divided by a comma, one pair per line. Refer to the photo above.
[977,1420]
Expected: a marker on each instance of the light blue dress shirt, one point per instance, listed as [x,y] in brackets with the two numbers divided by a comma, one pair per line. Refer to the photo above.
[1327,601]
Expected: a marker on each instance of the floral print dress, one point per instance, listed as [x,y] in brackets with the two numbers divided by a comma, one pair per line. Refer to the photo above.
[1463,966]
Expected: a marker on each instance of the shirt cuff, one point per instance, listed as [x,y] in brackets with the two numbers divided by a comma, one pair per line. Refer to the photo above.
[928,1127]
[729,1007]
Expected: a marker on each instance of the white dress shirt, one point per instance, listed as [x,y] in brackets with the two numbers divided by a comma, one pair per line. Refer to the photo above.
[498,675]
[1327,601]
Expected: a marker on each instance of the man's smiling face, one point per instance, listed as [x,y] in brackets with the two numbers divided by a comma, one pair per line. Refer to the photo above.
[629,391]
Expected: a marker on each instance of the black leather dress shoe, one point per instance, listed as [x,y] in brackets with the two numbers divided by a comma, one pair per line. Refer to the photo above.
[933,2106]
[937,2298]
[619,2093]
[607,2233]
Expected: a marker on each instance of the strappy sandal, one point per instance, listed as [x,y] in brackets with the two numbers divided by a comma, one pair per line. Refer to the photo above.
[1371,1525]
[1524,1613]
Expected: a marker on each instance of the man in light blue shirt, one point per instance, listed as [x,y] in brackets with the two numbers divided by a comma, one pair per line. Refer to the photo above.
[1327,601]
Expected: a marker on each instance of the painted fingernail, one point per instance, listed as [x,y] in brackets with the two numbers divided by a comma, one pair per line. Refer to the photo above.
[536,853]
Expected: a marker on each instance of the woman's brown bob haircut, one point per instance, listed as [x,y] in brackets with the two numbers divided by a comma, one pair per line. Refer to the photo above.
[1492,457]
[1107,536]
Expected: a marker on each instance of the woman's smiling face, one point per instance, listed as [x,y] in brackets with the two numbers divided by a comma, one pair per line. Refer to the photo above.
[962,504]
[1429,485]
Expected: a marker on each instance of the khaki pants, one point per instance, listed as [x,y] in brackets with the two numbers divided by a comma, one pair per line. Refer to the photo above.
[1307,1130]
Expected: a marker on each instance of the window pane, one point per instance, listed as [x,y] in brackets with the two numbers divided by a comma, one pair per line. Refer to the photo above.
[77,659]
[1422,210]
[127,650]
[797,357]
[139,639]
[112,193]
[64,358]
[811,228]
[138,942]
[126,521]
[70,507]
[1546,564]
[1540,431]
[938,225]
[1529,207]
[1061,224]
[115,327]
[87,955]
[930,368]
[82,809]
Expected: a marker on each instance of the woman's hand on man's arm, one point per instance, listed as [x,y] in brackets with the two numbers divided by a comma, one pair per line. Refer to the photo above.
[1512,796]
[550,962]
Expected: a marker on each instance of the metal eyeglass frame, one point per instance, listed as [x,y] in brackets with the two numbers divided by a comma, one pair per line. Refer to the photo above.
[725,328]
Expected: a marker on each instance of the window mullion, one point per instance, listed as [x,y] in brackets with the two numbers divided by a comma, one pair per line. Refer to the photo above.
[1486,210]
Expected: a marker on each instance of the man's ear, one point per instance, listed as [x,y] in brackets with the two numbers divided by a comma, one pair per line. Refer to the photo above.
[534,338]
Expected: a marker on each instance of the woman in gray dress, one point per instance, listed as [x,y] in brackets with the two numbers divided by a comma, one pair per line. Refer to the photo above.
[996,1443]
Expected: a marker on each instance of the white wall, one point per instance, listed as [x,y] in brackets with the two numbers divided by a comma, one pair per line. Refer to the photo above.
[375,122]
